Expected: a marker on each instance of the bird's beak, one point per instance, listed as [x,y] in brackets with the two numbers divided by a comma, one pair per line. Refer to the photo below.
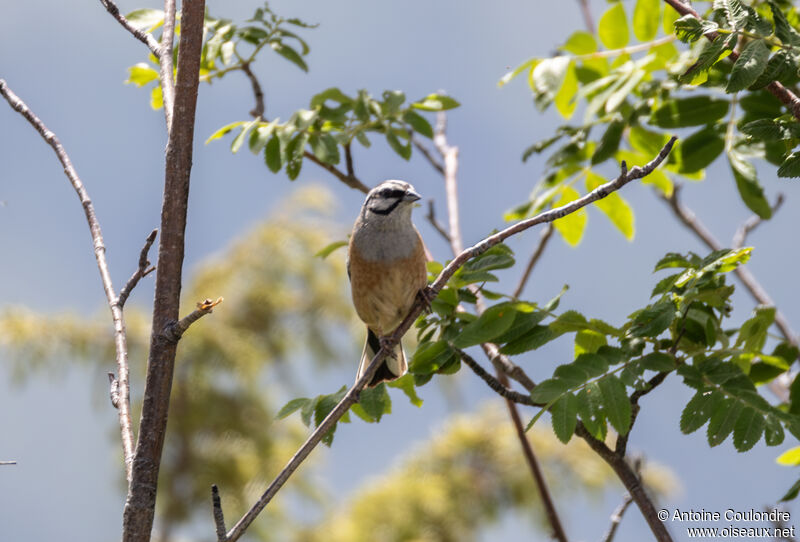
[411,196]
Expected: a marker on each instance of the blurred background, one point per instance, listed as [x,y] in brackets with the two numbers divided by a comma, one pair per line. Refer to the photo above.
[449,468]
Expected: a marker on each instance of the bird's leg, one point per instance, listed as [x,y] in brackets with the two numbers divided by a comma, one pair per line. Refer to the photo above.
[386,344]
[426,296]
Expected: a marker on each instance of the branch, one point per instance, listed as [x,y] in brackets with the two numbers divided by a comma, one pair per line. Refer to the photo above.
[142,271]
[140,502]
[621,447]
[258,93]
[616,518]
[751,223]
[431,216]
[450,156]
[219,518]
[426,152]
[389,342]
[120,339]
[8,462]
[750,282]
[786,96]
[140,35]
[175,331]
[495,384]
[165,62]
[545,236]
[505,366]
[587,15]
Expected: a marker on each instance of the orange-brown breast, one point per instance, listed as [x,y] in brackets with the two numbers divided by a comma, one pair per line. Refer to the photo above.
[384,291]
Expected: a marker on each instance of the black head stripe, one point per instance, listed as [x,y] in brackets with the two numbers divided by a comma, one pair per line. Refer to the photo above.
[389,193]
[388,210]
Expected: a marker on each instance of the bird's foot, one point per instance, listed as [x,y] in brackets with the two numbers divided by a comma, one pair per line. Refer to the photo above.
[388,345]
[426,297]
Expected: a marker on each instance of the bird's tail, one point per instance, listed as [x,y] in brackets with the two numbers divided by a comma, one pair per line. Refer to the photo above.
[392,368]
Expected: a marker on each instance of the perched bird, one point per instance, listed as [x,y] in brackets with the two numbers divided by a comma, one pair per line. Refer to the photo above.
[386,266]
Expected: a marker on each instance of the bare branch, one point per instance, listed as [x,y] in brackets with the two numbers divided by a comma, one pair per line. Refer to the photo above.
[786,96]
[258,93]
[751,223]
[142,271]
[120,339]
[165,62]
[431,216]
[8,462]
[505,366]
[219,518]
[352,182]
[113,390]
[450,156]
[426,152]
[545,236]
[472,252]
[140,35]
[587,15]
[140,502]
[616,518]
[750,282]
[175,331]
[348,157]
[494,383]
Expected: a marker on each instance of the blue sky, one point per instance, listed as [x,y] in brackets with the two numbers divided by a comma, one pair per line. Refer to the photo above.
[68,62]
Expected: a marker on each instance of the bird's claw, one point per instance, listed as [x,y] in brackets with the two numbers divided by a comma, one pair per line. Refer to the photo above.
[426,297]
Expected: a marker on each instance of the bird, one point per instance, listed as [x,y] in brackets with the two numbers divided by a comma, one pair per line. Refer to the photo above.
[386,264]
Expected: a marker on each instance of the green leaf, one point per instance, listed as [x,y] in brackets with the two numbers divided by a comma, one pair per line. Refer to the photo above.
[523,323]
[492,323]
[406,383]
[772,130]
[792,493]
[751,63]
[237,142]
[324,405]
[146,20]
[673,259]
[553,303]
[430,357]
[435,102]
[565,101]
[564,417]
[580,43]
[272,154]
[572,226]
[613,206]
[613,27]
[712,52]
[609,143]
[646,16]
[773,431]
[292,406]
[549,390]
[141,74]
[723,420]
[658,361]
[324,147]
[548,76]
[328,250]
[697,151]
[789,458]
[688,28]
[333,94]
[527,65]
[224,131]
[750,189]
[533,339]
[375,402]
[419,123]
[699,410]
[260,136]
[654,319]
[289,54]
[753,333]
[790,166]
[569,321]
[692,111]
[399,148]
[499,256]
[590,411]
[156,98]
[616,405]
[588,341]
[748,429]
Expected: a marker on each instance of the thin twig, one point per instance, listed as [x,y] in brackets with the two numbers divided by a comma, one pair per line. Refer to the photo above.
[219,517]
[691,221]
[621,446]
[450,156]
[258,93]
[8,462]
[505,366]
[432,290]
[495,384]
[140,35]
[751,223]
[545,236]
[174,332]
[165,62]
[426,152]
[431,216]
[120,339]
[616,517]
[142,271]
[786,96]
[587,15]
[348,158]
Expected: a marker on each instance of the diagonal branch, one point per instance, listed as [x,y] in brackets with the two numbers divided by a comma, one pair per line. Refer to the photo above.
[140,35]
[390,341]
[142,271]
[545,236]
[495,384]
[175,331]
[752,223]
[258,92]
[431,216]
[165,62]
[786,96]
[120,339]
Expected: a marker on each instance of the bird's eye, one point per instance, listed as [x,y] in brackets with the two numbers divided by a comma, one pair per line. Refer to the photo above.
[392,193]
